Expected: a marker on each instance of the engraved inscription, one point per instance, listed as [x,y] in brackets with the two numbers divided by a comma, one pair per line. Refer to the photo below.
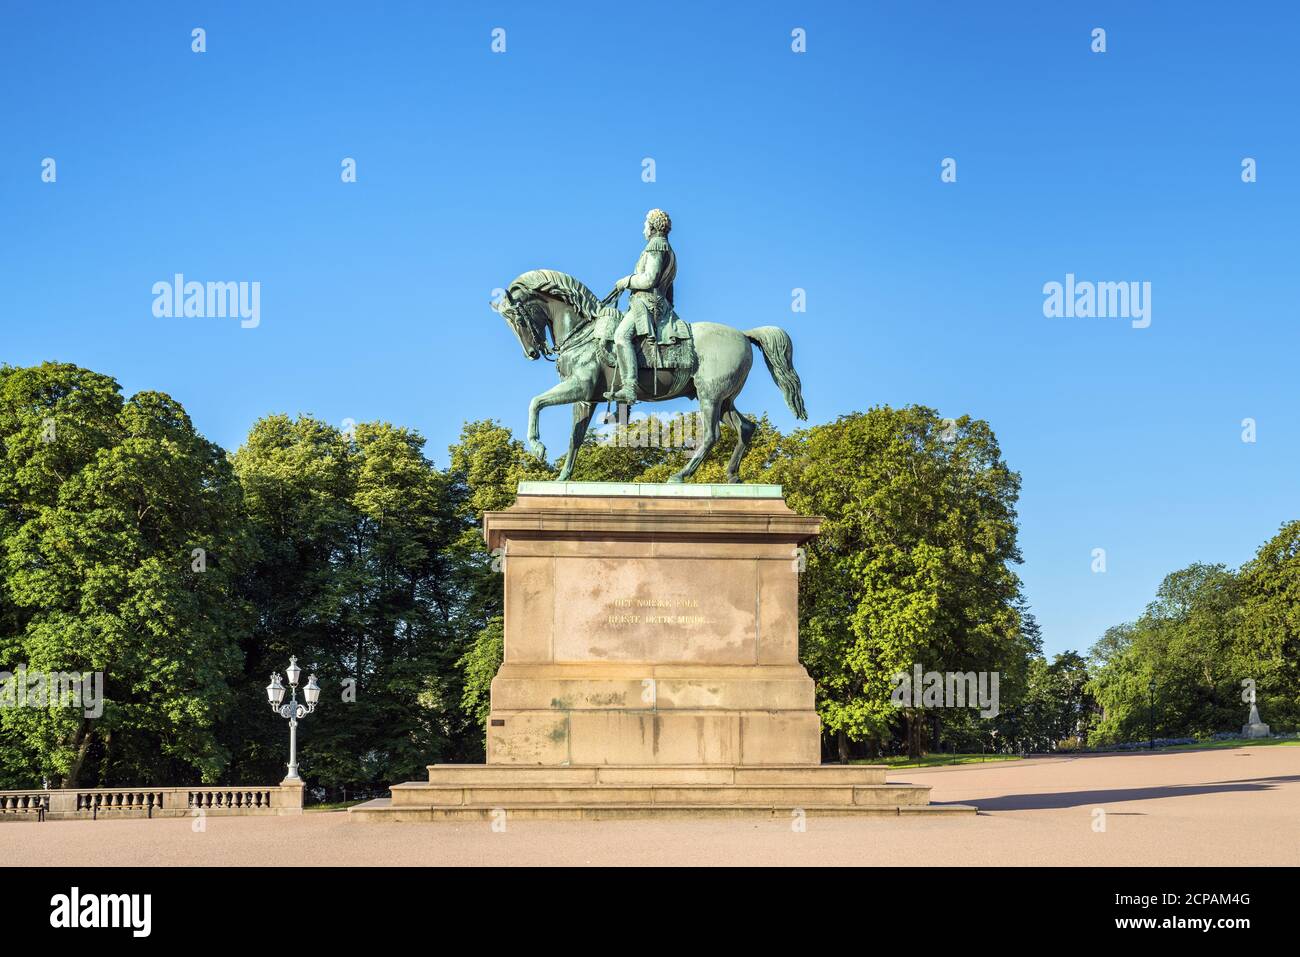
[655,611]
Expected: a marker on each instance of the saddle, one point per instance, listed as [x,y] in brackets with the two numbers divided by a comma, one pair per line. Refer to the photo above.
[672,347]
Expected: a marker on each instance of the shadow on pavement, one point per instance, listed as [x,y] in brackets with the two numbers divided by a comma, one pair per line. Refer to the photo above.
[1063,799]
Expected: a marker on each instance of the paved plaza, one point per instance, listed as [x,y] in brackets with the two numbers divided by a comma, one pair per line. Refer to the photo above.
[1236,806]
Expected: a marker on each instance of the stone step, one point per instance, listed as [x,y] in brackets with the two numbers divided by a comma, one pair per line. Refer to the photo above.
[596,775]
[753,795]
[383,810]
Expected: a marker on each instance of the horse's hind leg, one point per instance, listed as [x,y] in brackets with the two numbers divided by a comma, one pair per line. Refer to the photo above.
[710,419]
[744,434]
[581,419]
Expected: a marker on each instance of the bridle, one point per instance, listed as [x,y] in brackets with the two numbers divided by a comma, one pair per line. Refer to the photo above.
[578,335]
[518,323]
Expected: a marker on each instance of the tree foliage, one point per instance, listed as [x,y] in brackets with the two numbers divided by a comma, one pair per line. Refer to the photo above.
[1209,632]
[358,574]
[914,562]
[132,546]
[122,539]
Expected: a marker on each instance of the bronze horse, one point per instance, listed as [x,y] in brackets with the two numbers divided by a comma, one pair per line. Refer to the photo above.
[544,301]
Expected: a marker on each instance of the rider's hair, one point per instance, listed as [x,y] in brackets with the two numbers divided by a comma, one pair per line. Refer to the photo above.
[659,222]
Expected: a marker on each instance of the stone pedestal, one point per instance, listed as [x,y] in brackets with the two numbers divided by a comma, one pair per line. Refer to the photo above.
[1254,728]
[651,666]
[645,629]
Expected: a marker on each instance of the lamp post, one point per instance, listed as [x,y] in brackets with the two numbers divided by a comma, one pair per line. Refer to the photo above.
[1151,716]
[292,709]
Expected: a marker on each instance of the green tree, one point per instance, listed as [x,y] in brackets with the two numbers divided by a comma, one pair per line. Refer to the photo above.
[357,576]
[1055,705]
[913,564]
[635,452]
[481,664]
[122,537]
[1187,642]
[487,465]
[1268,645]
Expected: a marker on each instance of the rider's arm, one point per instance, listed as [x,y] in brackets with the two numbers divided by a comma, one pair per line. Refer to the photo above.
[649,279]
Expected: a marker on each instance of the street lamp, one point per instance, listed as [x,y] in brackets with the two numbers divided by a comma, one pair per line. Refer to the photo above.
[293,710]
[1151,715]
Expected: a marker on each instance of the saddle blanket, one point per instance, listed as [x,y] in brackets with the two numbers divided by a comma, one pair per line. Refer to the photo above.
[675,348]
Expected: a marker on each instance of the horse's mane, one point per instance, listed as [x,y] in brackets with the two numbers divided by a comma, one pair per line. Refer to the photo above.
[561,286]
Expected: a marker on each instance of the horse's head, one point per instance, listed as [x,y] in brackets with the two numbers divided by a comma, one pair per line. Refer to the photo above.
[526,314]
[542,301]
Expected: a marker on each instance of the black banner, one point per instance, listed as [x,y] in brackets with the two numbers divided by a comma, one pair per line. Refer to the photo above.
[314,907]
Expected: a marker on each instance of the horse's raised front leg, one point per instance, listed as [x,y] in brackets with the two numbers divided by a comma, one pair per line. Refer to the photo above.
[581,419]
[562,393]
[710,419]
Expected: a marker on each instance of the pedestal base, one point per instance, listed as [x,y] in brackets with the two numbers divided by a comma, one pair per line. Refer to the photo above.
[1255,731]
[651,625]
[650,667]
[594,714]
[486,792]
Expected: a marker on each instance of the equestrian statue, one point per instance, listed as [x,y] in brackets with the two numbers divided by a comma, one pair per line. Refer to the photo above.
[647,354]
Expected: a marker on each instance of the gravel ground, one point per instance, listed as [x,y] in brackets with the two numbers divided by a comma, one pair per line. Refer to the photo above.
[1225,807]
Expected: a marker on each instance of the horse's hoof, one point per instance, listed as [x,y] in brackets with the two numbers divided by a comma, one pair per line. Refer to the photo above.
[538,450]
[676,480]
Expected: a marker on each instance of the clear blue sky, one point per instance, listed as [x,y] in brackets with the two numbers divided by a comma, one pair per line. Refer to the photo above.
[818,171]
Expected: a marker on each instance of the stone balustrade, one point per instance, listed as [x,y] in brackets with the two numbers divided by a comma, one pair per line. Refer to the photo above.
[23,803]
[96,803]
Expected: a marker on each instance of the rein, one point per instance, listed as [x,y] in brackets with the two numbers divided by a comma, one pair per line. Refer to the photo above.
[578,335]
[572,340]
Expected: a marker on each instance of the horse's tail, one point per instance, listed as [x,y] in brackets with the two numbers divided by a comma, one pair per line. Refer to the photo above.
[778,353]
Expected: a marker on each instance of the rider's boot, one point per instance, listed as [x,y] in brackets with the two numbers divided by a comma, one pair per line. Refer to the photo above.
[625,355]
